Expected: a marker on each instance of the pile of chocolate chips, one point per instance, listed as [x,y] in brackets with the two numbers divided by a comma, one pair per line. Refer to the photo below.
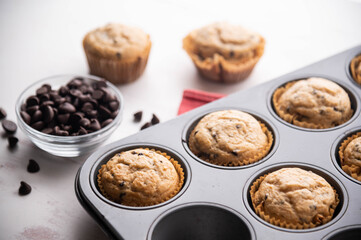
[77,108]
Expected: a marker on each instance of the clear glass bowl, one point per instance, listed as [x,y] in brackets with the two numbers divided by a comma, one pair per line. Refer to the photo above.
[67,146]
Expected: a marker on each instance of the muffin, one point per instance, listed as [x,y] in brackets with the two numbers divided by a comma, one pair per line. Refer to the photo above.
[117,52]
[350,156]
[140,177]
[294,198]
[230,138]
[355,68]
[313,103]
[223,52]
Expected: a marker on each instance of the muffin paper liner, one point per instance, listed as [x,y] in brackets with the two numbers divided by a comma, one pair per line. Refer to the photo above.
[356,61]
[177,167]
[219,69]
[261,154]
[292,118]
[351,169]
[118,71]
[278,222]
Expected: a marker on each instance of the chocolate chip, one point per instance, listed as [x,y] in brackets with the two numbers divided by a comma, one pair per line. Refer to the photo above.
[63,91]
[48,114]
[44,98]
[98,94]
[231,54]
[75,119]
[2,113]
[195,133]
[138,116]
[234,153]
[47,130]
[41,91]
[47,86]
[114,114]
[25,116]
[12,141]
[9,126]
[84,122]
[121,184]
[37,116]
[75,83]
[33,166]
[238,126]
[67,108]
[104,113]
[119,55]
[114,105]
[101,84]
[82,131]
[92,114]
[47,103]
[32,109]
[94,124]
[140,154]
[38,125]
[108,96]
[75,93]
[87,107]
[146,125]
[24,189]
[155,120]
[32,101]
[121,195]
[265,197]
[63,118]
[106,122]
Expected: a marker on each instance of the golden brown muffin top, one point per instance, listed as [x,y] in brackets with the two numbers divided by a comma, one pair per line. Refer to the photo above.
[352,154]
[355,68]
[139,177]
[295,196]
[230,41]
[227,136]
[117,41]
[318,101]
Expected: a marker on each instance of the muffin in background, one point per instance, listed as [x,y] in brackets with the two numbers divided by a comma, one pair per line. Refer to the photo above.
[140,177]
[117,52]
[230,138]
[294,198]
[223,52]
[315,103]
[350,156]
[355,68]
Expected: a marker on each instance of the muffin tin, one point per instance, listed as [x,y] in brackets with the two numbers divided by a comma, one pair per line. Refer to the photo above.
[214,202]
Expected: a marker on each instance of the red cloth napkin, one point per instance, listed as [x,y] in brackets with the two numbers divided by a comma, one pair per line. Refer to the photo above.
[195,98]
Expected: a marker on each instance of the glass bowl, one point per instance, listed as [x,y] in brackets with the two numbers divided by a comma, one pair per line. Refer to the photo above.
[67,146]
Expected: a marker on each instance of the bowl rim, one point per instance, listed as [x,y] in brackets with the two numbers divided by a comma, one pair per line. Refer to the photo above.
[43,136]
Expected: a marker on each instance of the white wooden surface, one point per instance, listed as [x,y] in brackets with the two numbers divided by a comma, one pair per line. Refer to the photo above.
[43,38]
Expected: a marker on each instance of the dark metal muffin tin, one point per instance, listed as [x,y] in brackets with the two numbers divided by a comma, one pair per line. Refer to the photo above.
[214,202]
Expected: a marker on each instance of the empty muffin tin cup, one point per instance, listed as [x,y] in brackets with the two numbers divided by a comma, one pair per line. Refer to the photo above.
[201,221]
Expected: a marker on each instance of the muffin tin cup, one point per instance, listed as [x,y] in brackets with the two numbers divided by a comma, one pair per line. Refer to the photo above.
[220,193]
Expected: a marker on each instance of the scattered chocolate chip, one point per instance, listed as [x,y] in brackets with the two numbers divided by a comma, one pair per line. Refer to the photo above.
[234,153]
[9,126]
[119,55]
[12,141]
[33,166]
[231,53]
[146,125]
[25,116]
[2,113]
[24,188]
[140,154]
[133,152]
[155,120]
[121,184]
[138,116]
[238,126]
[265,197]
[195,133]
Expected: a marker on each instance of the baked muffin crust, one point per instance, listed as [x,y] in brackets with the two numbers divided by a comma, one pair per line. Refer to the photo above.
[295,196]
[138,177]
[313,103]
[117,41]
[228,136]
[352,154]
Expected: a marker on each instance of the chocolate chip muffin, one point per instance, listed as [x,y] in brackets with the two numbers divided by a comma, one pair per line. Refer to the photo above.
[355,68]
[223,52]
[294,198]
[140,177]
[350,156]
[117,52]
[313,103]
[230,138]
